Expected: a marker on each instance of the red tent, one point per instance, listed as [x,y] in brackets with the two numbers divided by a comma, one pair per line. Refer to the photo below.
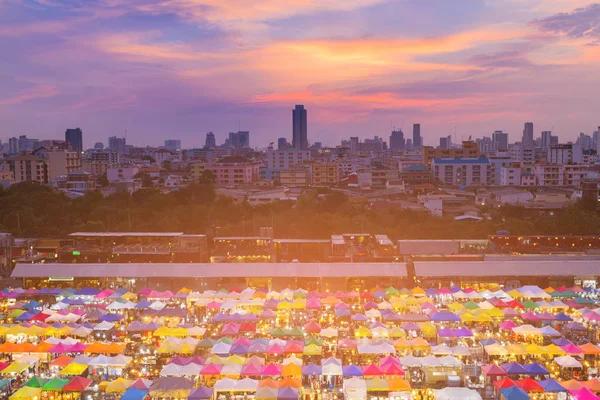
[504,383]
[493,370]
[529,385]
[77,384]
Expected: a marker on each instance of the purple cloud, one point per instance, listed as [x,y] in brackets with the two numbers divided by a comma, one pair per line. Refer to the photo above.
[580,23]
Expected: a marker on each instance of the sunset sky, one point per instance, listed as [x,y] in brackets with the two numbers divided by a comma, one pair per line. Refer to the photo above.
[178,69]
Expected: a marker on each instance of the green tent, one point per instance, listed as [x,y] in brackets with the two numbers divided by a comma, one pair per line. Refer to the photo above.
[391,291]
[294,332]
[471,305]
[206,343]
[225,339]
[313,340]
[529,304]
[55,384]
[36,382]
[278,332]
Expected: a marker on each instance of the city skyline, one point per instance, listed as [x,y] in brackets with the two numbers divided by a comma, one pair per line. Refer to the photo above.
[181,69]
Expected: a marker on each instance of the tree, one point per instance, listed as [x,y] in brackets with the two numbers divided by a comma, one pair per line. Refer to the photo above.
[149,158]
[207,177]
[147,181]
[103,180]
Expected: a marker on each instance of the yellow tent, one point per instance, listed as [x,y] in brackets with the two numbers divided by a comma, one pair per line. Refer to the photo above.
[418,291]
[26,392]
[496,350]
[456,306]
[398,303]
[427,328]
[362,332]
[118,386]
[284,305]
[215,359]
[494,312]
[534,349]
[516,349]
[515,294]
[553,350]
[397,332]
[299,303]
[73,369]
[312,349]
[16,368]
[235,359]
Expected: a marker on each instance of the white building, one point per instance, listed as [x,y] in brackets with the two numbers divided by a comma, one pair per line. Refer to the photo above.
[510,176]
[565,154]
[285,159]
[497,162]
[522,153]
[115,174]
[511,196]
[461,171]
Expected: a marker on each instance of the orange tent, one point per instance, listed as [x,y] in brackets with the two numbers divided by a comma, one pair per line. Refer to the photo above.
[398,384]
[115,348]
[291,369]
[571,385]
[593,385]
[268,383]
[61,361]
[290,382]
[44,347]
[589,348]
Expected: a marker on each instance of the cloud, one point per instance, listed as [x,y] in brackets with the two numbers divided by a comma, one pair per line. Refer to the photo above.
[581,23]
[37,92]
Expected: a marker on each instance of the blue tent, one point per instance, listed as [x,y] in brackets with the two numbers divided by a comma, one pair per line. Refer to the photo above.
[134,394]
[535,369]
[551,386]
[488,342]
[514,368]
[351,370]
[563,317]
[514,393]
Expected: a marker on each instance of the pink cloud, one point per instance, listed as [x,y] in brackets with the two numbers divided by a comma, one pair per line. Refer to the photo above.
[37,92]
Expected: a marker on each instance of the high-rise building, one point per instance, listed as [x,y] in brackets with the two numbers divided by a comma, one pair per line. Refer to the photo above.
[397,141]
[99,146]
[585,141]
[282,143]
[409,144]
[239,139]
[210,142]
[546,139]
[13,145]
[501,140]
[27,144]
[173,144]
[117,145]
[74,137]
[299,128]
[446,142]
[417,140]
[527,140]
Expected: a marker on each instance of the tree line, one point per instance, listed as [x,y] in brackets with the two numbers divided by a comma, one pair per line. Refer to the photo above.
[36,211]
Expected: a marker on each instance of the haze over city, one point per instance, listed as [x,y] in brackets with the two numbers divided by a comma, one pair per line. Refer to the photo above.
[182,68]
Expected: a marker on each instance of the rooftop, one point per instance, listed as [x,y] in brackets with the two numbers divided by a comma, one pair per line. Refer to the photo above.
[124,234]
[481,160]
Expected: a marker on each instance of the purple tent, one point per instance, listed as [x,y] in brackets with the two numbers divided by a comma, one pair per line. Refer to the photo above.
[342,313]
[514,368]
[351,370]
[111,318]
[287,393]
[312,369]
[575,326]
[202,392]
[535,369]
[444,316]
[359,317]
[562,342]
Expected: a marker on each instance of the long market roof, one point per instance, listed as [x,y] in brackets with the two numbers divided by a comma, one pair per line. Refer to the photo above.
[214,270]
[324,270]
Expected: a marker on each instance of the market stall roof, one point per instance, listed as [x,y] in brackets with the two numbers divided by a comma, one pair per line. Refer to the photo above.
[200,270]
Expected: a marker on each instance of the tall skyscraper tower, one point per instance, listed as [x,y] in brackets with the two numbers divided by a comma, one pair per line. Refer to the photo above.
[210,141]
[417,142]
[528,135]
[397,141]
[74,138]
[299,128]
[501,140]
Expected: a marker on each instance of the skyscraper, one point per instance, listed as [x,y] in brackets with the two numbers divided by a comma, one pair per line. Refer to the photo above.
[299,128]
[546,139]
[397,141]
[409,145]
[117,145]
[210,141]
[13,145]
[74,138]
[501,140]
[173,144]
[527,140]
[239,139]
[416,141]
[282,143]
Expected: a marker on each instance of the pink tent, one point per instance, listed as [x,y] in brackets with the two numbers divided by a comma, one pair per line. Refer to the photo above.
[211,369]
[389,360]
[230,329]
[251,370]
[312,326]
[275,349]
[571,349]
[347,344]
[507,325]
[213,305]
[271,370]
[584,394]
[313,303]
[372,370]
[493,370]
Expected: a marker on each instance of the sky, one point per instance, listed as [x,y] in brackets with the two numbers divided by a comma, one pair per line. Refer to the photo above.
[163,69]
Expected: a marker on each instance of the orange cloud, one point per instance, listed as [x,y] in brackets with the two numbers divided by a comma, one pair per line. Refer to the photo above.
[37,92]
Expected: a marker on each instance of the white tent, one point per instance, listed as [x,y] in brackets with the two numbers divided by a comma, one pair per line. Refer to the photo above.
[104,326]
[293,360]
[170,369]
[568,362]
[410,361]
[549,331]
[441,349]
[457,393]
[329,332]
[355,388]
[221,348]
[461,350]
[526,330]
[450,361]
